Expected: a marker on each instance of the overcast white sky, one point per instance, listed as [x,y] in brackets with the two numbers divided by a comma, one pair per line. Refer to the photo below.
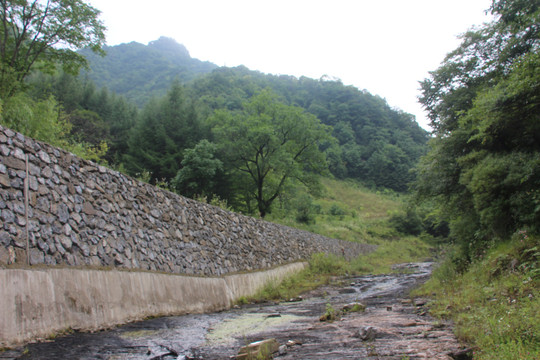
[383,46]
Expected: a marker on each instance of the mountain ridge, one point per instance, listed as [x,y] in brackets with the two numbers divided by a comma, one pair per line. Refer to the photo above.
[135,70]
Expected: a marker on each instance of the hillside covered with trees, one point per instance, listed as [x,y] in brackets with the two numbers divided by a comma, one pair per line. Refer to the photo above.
[373,143]
[139,72]
[232,134]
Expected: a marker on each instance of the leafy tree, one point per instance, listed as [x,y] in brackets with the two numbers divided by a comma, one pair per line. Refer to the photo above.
[407,222]
[387,167]
[41,35]
[502,171]
[269,143]
[41,119]
[44,120]
[484,104]
[199,172]
[105,115]
[305,209]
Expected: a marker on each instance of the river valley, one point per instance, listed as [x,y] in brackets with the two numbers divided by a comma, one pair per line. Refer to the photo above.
[392,326]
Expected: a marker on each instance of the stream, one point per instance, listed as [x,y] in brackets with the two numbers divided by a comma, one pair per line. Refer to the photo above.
[396,328]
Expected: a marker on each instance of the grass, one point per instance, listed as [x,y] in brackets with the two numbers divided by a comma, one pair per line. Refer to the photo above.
[321,269]
[325,267]
[495,305]
[363,217]
[350,212]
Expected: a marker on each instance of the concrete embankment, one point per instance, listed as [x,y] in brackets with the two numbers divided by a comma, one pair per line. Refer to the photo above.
[36,303]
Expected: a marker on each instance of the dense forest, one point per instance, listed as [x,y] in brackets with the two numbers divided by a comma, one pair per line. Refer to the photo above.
[481,178]
[174,120]
[376,144]
[483,168]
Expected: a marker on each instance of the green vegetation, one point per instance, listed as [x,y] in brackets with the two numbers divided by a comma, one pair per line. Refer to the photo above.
[373,143]
[366,220]
[257,144]
[349,211]
[325,267]
[355,308]
[139,72]
[330,314]
[172,135]
[236,135]
[482,171]
[267,145]
[161,134]
[481,182]
[319,272]
[31,31]
[495,303]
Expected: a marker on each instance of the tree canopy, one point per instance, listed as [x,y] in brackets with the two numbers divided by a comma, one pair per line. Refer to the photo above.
[165,128]
[484,104]
[270,143]
[44,34]
[368,129]
[200,171]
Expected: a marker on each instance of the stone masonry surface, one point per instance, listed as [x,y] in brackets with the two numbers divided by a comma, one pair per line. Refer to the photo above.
[84,214]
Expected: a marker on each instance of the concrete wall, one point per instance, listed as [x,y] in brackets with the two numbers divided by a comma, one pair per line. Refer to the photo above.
[83,214]
[36,303]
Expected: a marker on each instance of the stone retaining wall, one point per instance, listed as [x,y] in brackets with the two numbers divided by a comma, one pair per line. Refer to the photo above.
[83,214]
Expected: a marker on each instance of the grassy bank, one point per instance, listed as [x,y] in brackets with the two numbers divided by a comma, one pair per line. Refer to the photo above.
[344,210]
[325,267]
[495,304]
[350,212]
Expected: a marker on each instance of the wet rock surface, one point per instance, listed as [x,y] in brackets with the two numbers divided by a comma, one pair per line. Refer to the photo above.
[390,327]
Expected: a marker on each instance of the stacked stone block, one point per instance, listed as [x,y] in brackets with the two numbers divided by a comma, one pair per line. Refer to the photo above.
[83,214]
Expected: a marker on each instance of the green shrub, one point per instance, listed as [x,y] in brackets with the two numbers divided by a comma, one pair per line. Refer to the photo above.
[305,210]
[330,314]
[407,222]
[336,210]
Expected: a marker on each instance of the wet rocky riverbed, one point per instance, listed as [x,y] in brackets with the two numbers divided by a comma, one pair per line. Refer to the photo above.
[391,327]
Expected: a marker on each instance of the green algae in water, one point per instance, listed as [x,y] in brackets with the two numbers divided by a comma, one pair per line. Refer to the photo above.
[127,335]
[247,324]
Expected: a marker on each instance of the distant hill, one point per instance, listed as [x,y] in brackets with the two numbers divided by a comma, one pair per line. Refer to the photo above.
[377,144]
[140,71]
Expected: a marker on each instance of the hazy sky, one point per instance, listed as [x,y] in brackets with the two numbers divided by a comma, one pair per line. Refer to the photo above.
[383,46]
